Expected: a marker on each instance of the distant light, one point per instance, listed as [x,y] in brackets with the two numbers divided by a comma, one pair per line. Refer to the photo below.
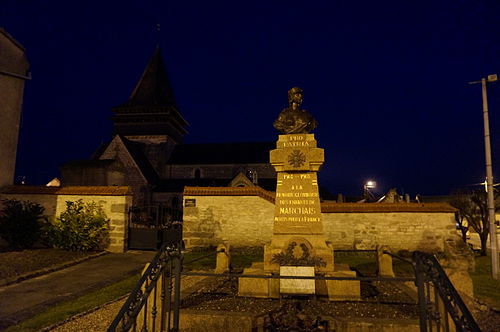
[370,184]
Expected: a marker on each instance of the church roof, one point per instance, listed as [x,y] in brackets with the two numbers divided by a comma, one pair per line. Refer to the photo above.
[222,153]
[153,88]
[12,39]
[178,185]
[88,163]
[134,150]
[145,167]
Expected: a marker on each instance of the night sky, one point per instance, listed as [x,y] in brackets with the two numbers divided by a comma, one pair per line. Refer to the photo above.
[386,80]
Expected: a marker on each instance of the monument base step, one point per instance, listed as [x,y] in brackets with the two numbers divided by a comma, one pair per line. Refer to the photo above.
[334,290]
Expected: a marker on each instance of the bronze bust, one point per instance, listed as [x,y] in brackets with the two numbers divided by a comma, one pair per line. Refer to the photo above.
[293,120]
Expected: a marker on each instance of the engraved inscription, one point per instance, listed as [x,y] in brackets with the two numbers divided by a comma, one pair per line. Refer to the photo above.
[297,210]
[288,195]
[302,218]
[295,144]
[296,137]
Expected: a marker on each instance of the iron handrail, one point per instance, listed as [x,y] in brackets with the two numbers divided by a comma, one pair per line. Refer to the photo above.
[238,275]
[138,297]
[428,269]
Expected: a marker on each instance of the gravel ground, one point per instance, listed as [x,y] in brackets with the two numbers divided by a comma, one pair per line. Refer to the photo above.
[488,320]
[380,300]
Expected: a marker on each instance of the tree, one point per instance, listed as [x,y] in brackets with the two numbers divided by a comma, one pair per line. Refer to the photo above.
[21,223]
[473,207]
[461,200]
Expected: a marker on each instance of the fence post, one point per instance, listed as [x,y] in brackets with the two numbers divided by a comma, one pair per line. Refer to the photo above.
[177,287]
[422,302]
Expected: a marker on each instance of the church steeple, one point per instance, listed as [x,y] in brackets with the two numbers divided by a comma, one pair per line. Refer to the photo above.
[151,110]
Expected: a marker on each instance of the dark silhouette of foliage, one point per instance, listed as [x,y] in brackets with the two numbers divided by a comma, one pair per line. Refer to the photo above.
[21,223]
[473,208]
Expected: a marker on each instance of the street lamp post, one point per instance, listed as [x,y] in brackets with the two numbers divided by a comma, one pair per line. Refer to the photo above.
[366,189]
[489,178]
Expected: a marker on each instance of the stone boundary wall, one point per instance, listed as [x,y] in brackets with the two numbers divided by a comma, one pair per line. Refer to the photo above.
[114,199]
[244,217]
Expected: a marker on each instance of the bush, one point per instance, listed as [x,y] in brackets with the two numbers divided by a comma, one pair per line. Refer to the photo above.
[21,223]
[82,227]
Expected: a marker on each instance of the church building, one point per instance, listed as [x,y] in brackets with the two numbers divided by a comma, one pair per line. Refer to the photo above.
[148,153]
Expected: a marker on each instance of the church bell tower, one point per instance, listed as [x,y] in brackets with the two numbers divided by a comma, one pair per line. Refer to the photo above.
[150,115]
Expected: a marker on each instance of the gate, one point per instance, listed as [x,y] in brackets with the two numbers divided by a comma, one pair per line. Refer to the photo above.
[149,226]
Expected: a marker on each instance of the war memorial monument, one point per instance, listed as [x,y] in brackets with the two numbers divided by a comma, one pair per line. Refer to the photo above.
[298,245]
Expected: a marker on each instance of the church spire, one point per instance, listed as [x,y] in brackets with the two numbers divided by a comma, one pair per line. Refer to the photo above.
[151,109]
[153,88]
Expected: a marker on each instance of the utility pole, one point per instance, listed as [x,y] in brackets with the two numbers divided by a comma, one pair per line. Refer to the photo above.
[489,178]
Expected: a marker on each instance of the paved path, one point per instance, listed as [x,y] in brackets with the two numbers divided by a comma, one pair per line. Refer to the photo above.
[100,319]
[25,299]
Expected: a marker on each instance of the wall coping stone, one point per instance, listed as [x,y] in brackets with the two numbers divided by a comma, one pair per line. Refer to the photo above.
[326,207]
[230,191]
[70,190]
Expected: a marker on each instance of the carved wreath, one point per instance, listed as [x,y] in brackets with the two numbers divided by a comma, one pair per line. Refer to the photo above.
[287,258]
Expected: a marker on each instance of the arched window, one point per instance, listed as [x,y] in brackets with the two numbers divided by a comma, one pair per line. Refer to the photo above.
[197,173]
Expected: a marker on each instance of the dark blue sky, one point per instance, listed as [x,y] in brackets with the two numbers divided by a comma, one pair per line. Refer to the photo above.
[386,80]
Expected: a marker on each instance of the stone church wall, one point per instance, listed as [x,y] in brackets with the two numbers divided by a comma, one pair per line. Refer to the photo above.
[248,221]
[217,171]
[133,177]
[114,200]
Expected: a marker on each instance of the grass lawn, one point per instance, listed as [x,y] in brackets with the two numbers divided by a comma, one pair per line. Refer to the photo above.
[362,261]
[486,288]
[199,260]
[365,262]
[65,310]
[17,263]
[240,258]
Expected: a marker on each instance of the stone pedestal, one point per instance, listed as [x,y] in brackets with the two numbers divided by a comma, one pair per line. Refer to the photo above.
[340,290]
[297,216]
[297,286]
[298,237]
[258,287]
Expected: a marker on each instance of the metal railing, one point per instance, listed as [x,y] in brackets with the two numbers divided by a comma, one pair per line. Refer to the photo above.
[151,306]
[438,300]
[440,307]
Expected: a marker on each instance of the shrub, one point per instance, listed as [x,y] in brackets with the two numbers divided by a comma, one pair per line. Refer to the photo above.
[82,227]
[21,223]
